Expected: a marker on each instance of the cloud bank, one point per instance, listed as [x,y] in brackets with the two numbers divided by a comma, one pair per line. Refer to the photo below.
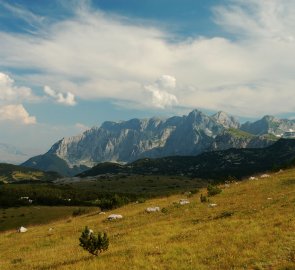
[96,55]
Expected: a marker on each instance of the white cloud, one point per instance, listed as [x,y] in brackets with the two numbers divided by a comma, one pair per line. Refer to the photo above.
[16,113]
[160,97]
[239,75]
[65,99]
[23,13]
[10,92]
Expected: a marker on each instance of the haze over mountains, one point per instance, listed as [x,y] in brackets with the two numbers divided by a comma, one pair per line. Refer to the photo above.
[127,141]
[11,154]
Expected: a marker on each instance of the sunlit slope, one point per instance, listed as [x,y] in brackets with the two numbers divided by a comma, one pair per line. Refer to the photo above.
[252,227]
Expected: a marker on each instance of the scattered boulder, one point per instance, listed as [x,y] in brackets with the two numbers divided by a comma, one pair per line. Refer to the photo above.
[153,209]
[252,178]
[212,205]
[264,176]
[114,216]
[184,201]
[22,229]
[101,213]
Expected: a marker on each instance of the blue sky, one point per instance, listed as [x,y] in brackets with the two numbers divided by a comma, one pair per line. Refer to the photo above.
[68,65]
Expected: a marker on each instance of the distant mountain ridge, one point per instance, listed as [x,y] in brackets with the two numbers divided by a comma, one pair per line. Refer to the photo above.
[217,165]
[127,141]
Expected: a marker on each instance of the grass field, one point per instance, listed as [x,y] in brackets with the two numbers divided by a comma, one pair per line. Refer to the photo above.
[12,218]
[252,227]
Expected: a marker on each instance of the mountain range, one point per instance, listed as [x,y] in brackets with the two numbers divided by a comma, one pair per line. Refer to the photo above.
[189,135]
[216,165]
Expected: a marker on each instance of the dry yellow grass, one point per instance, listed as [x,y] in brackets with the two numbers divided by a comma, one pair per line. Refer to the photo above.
[259,235]
[17,175]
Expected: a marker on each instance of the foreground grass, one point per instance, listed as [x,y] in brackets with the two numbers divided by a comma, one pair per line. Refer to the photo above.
[252,227]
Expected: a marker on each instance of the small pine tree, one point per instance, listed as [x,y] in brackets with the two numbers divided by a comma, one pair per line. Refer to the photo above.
[94,243]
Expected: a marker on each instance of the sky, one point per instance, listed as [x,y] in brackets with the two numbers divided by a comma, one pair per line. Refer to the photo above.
[67,65]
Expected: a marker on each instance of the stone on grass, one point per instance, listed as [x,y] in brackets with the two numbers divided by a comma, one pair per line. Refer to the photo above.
[114,216]
[212,205]
[184,201]
[153,209]
[22,229]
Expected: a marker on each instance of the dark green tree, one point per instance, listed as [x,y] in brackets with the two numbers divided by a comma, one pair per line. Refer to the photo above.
[213,190]
[94,243]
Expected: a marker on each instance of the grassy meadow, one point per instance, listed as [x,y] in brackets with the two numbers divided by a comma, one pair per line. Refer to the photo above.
[15,217]
[252,227]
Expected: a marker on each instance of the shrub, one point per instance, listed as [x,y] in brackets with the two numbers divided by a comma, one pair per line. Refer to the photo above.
[213,190]
[94,243]
[203,198]
[141,200]
[164,210]
[79,212]
[224,214]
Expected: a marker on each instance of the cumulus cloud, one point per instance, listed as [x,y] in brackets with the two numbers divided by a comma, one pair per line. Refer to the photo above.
[117,57]
[160,97]
[16,113]
[65,99]
[10,92]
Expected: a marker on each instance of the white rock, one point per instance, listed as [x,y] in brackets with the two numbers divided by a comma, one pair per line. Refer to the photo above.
[22,229]
[153,209]
[114,216]
[212,205]
[184,201]
[252,178]
[264,176]
[101,213]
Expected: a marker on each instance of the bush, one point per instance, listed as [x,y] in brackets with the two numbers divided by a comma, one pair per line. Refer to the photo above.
[141,200]
[213,190]
[164,210]
[203,198]
[94,243]
[79,212]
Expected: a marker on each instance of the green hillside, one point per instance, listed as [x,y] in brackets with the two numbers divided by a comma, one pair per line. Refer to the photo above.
[13,173]
[251,227]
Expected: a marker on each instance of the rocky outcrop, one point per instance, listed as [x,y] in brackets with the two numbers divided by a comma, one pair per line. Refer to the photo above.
[269,125]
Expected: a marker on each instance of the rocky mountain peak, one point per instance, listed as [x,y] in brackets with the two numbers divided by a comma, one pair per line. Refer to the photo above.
[226,120]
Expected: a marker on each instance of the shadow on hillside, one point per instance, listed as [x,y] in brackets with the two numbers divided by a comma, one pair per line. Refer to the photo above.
[65,263]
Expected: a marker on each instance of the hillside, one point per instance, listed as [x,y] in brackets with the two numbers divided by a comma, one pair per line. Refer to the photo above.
[127,141]
[252,227]
[210,165]
[13,173]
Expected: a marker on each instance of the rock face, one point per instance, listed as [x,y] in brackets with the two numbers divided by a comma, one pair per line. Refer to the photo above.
[127,141]
[226,120]
[269,125]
